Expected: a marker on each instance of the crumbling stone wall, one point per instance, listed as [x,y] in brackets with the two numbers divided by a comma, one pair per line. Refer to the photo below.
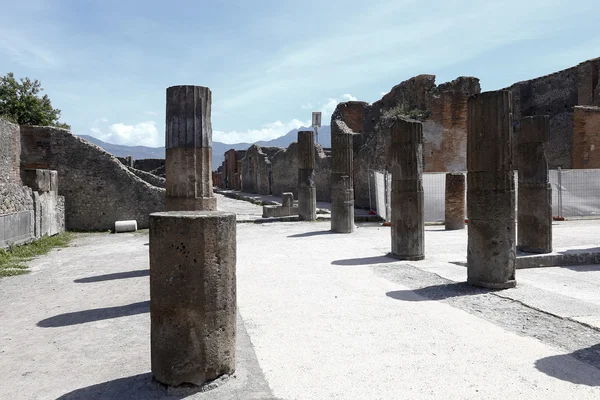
[98,189]
[285,172]
[149,164]
[149,177]
[556,95]
[29,204]
[256,169]
[441,109]
[586,142]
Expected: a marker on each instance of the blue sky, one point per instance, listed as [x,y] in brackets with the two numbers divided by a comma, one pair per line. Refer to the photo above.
[106,64]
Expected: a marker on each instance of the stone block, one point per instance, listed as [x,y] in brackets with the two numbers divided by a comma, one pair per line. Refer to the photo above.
[125,226]
[41,180]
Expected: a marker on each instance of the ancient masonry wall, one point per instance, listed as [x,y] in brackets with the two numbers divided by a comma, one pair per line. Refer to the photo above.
[98,189]
[148,177]
[285,172]
[586,142]
[442,109]
[16,200]
[556,95]
[30,206]
[256,170]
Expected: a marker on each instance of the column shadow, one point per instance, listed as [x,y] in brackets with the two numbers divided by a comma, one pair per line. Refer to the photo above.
[309,234]
[117,275]
[365,261]
[564,366]
[136,387]
[97,314]
[438,292]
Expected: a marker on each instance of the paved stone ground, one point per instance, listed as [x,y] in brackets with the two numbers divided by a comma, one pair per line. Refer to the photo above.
[321,316]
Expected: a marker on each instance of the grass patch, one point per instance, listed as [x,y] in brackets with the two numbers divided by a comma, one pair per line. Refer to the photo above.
[12,259]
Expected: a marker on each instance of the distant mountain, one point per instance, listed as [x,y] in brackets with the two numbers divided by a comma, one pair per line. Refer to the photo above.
[218,149]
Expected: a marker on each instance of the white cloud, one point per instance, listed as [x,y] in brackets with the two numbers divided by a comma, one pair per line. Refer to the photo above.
[141,134]
[308,106]
[269,131]
[151,112]
[277,129]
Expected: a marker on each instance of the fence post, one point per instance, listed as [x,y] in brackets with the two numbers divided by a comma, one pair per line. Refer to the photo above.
[369,180]
[559,193]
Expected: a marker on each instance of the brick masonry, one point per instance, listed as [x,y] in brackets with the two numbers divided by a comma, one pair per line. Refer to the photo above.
[586,137]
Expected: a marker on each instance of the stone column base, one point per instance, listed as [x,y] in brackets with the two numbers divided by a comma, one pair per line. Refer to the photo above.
[192,296]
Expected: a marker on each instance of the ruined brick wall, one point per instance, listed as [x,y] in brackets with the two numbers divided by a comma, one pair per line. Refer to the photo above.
[98,189]
[554,95]
[442,109]
[586,137]
[588,84]
[285,172]
[256,170]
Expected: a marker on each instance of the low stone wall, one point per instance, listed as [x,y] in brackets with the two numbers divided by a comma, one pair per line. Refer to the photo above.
[98,189]
[149,164]
[148,177]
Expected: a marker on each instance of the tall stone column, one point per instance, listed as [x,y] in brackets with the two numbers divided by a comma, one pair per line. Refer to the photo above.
[307,191]
[192,296]
[491,253]
[408,218]
[455,201]
[192,255]
[189,149]
[342,186]
[534,218]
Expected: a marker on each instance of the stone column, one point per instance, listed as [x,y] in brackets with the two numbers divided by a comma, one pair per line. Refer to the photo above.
[342,186]
[239,169]
[408,218]
[534,218]
[189,149]
[490,191]
[192,296]
[455,201]
[307,191]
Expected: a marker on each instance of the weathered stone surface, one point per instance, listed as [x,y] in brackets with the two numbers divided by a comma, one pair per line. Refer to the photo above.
[534,227]
[98,189]
[10,149]
[41,180]
[189,149]
[442,110]
[586,142]
[342,186]
[192,296]
[287,200]
[455,201]
[491,253]
[307,191]
[188,123]
[408,218]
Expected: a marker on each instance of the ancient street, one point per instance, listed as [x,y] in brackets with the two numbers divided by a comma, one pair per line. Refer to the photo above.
[320,316]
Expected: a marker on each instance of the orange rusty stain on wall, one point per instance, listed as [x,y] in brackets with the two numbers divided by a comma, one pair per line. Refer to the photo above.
[586,137]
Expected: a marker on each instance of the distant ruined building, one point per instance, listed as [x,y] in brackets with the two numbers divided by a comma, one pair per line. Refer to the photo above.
[570,97]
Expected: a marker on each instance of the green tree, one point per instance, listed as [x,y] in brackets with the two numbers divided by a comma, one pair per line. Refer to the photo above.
[20,102]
